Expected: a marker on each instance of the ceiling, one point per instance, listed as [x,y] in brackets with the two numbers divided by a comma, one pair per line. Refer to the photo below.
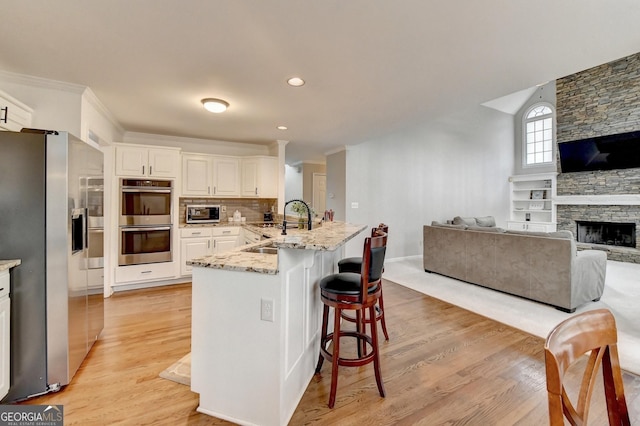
[372,67]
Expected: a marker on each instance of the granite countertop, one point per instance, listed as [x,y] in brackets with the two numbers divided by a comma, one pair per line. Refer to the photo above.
[8,264]
[328,237]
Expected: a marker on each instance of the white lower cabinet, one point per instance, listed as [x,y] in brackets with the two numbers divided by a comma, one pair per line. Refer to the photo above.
[5,334]
[531,226]
[194,242]
[198,242]
[146,272]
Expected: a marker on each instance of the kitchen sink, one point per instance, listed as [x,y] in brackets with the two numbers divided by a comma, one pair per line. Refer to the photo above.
[267,249]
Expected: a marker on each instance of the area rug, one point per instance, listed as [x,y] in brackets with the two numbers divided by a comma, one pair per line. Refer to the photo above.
[180,371]
[621,295]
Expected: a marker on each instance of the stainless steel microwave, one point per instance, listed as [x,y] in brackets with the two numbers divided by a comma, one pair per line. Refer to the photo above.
[203,214]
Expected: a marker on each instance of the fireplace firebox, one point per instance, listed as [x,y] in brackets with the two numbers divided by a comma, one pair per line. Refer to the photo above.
[607,233]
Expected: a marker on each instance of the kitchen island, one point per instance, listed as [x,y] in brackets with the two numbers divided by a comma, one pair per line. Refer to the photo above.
[256,320]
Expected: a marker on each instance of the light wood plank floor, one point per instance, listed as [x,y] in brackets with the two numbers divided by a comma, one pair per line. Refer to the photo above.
[442,365]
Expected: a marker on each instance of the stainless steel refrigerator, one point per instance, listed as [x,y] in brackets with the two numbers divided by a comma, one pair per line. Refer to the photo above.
[44,222]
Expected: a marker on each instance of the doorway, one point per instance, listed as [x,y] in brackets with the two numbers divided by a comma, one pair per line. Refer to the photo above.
[319,193]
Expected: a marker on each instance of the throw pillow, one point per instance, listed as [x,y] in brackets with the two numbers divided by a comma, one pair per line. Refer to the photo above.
[469,221]
[486,221]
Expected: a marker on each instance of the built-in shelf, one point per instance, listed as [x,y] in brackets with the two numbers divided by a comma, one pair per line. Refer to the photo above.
[532,202]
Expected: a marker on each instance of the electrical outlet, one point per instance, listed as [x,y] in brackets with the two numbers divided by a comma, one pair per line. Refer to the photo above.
[223,209]
[354,205]
[266,310]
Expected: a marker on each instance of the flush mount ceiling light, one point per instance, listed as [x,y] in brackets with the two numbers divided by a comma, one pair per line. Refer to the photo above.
[295,82]
[215,105]
[282,127]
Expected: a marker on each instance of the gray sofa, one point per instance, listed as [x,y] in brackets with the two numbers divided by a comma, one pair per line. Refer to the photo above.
[545,267]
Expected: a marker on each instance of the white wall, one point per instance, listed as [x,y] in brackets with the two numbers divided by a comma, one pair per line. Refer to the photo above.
[293,182]
[454,166]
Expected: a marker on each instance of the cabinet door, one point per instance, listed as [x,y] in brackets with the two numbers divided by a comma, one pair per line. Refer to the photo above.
[226,177]
[260,177]
[249,178]
[5,342]
[14,115]
[517,226]
[539,227]
[190,248]
[221,244]
[131,161]
[196,175]
[163,163]
[268,178]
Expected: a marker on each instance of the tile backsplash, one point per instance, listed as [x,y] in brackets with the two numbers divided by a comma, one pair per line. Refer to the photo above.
[251,208]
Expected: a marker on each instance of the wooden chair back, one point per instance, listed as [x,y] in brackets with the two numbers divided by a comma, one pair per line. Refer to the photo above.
[595,332]
[381,227]
[372,262]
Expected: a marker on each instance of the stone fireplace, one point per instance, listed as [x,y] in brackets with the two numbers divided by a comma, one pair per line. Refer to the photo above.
[600,101]
[602,228]
[606,233]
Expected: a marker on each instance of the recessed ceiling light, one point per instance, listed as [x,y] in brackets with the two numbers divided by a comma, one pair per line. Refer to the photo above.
[215,105]
[295,82]
[282,127]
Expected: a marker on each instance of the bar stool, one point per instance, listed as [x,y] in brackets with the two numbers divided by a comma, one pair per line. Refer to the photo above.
[353,292]
[354,264]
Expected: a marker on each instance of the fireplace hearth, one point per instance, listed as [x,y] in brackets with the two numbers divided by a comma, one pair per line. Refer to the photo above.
[606,233]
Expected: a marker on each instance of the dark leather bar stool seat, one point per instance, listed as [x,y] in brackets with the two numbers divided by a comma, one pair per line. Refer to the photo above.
[359,293]
[354,264]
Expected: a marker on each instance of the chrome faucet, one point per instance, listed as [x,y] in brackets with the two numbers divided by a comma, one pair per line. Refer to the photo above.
[284,215]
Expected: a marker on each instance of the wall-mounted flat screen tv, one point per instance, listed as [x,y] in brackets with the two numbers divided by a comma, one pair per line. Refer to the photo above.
[621,151]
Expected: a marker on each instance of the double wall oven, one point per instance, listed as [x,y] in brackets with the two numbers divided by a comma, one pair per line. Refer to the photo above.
[145,221]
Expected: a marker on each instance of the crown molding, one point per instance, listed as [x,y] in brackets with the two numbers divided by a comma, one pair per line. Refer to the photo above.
[45,83]
[336,150]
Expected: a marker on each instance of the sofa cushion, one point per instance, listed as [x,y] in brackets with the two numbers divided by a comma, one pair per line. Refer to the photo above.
[557,234]
[469,221]
[448,225]
[486,229]
[486,221]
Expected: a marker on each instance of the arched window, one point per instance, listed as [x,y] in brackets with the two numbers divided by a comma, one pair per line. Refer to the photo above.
[538,135]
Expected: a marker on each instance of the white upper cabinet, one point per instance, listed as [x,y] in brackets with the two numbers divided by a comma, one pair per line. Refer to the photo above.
[260,177]
[196,174]
[226,176]
[210,175]
[14,115]
[141,161]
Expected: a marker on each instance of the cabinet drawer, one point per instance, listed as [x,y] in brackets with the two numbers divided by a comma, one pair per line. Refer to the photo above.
[195,232]
[95,278]
[4,283]
[141,273]
[225,231]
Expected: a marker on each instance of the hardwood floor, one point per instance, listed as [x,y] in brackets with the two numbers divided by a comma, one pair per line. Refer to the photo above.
[442,365]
